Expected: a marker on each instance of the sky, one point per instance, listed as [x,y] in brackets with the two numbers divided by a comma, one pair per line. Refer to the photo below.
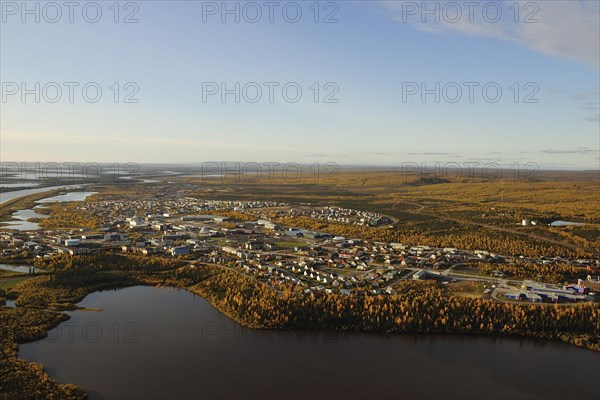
[350,82]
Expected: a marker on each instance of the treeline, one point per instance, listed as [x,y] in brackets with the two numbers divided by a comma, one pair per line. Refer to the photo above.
[102,261]
[60,291]
[72,278]
[70,216]
[477,239]
[423,309]
[20,379]
[551,273]
[419,307]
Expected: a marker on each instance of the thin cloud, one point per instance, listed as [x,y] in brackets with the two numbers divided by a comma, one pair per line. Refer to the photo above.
[317,155]
[587,96]
[594,118]
[588,101]
[579,150]
[431,154]
[566,29]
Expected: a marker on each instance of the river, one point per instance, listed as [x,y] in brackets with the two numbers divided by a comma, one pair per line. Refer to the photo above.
[7,196]
[21,222]
[20,268]
[21,217]
[151,343]
[566,223]
[67,197]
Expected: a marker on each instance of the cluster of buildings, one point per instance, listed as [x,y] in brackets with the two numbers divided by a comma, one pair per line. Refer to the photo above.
[539,292]
[316,261]
[339,215]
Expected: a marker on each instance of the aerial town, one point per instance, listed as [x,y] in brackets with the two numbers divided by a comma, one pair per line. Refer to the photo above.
[299,200]
[317,262]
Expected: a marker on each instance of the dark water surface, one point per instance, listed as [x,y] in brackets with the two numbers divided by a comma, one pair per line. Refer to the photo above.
[151,343]
[20,268]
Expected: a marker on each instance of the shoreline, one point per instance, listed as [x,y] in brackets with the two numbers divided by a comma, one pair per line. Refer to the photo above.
[232,314]
[56,313]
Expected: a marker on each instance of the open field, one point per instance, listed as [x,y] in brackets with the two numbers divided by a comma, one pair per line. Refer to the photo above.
[459,212]
[5,274]
[8,283]
[466,289]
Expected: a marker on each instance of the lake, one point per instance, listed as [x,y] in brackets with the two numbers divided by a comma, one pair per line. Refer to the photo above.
[22,223]
[7,196]
[141,180]
[67,197]
[18,185]
[21,216]
[20,268]
[151,343]
[565,223]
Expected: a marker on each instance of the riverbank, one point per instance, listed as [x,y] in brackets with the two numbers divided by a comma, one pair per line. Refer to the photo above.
[11,195]
[8,207]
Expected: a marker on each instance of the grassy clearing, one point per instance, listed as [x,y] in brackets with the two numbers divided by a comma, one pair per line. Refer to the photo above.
[466,289]
[290,245]
[222,241]
[8,283]
[5,273]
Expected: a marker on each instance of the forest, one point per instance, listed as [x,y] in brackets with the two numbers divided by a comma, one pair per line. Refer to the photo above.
[419,307]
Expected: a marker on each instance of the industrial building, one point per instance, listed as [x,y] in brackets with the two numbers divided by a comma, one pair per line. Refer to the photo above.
[176,251]
[551,292]
[523,296]
[589,284]
[420,274]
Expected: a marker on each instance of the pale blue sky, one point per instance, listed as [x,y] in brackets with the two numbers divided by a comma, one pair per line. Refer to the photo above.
[373,49]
